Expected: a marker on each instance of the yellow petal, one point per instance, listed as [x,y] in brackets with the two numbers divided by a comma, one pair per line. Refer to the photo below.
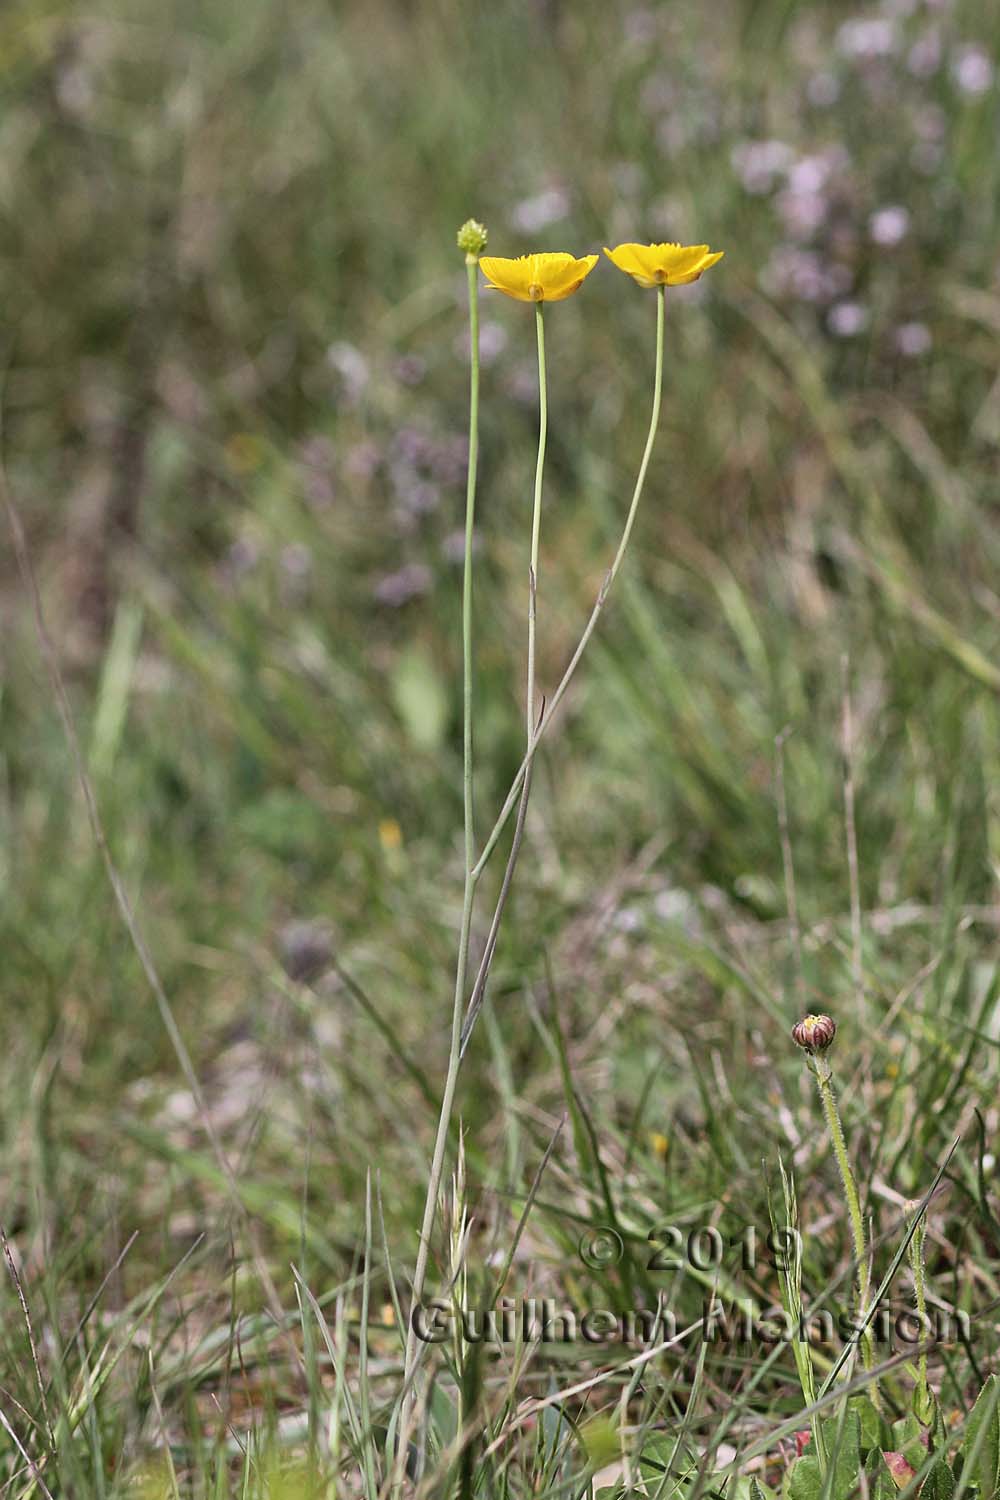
[510,276]
[547,276]
[663,265]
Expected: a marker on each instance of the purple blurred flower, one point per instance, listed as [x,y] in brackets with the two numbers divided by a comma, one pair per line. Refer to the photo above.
[640,27]
[803,274]
[822,90]
[864,38]
[846,320]
[352,367]
[410,369]
[913,339]
[363,459]
[759,164]
[972,70]
[889,226]
[801,213]
[810,174]
[925,54]
[538,212]
[409,582]
[242,557]
[492,342]
[453,545]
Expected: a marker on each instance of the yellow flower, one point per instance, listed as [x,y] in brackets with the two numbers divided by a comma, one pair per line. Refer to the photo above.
[390,835]
[549,277]
[663,265]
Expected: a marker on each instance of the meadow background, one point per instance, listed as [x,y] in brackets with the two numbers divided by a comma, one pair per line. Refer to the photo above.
[234,398]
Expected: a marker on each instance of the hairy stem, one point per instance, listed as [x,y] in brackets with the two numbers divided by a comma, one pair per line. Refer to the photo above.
[824,1079]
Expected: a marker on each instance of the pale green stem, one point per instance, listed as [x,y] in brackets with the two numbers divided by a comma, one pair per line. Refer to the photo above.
[536,517]
[916,1254]
[824,1079]
[471,879]
[602,596]
[470,516]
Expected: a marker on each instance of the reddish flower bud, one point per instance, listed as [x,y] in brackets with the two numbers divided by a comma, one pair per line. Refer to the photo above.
[814,1033]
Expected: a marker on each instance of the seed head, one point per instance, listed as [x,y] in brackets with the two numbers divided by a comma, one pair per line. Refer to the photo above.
[472,238]
[814,1033]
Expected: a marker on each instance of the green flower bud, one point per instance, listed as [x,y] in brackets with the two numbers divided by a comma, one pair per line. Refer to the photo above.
[472,239]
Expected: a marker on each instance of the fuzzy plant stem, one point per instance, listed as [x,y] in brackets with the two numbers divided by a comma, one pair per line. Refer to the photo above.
[824,1078]
[471,879]
[916,1254]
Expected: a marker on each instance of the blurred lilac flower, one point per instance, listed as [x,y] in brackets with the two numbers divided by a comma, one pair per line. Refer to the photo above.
[409,582]
[318,452]
[759,164]
[450,459]
[889,226]
[352,367]
[538,212]
[801,213]
[913,339]
[492,342]
[847,319]
[242,557]
[363,459]
[803,274]
[925,54]
[864,38]
[410,369]
[810,174]
[931,123]
[453,546]
[822,90]
[972,70]
[640,27]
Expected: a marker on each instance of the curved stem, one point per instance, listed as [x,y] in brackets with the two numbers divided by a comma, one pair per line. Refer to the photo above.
[602,596]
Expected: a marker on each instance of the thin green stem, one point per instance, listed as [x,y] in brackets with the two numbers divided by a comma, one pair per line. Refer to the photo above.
[536,518]
[470,516]
[924,1405]
[824,1079]
[602,597]
[471,880]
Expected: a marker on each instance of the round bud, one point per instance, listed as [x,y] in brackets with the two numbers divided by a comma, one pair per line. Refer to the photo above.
[814,1033]
[472,238]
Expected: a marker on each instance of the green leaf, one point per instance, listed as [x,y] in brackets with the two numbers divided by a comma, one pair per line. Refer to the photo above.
[981,1448]
[939,1482]
[662,1456]
[420,699]
[805,1481]
[870,1422]
[843,1443]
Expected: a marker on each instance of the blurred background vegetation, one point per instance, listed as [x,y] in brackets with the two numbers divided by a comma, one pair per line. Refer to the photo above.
[234,401]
